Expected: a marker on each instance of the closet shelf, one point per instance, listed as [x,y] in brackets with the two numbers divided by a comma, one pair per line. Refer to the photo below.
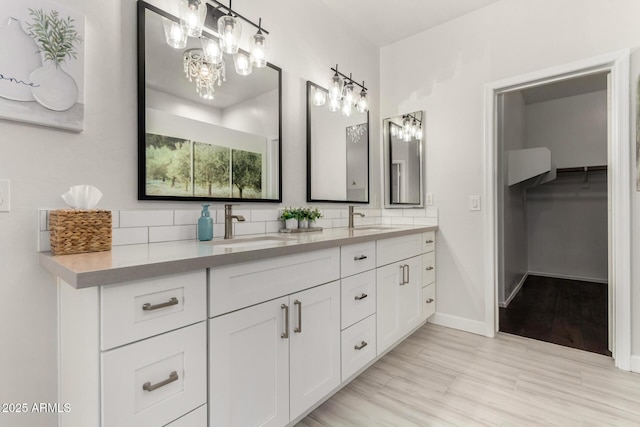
[582,169]
[527,163]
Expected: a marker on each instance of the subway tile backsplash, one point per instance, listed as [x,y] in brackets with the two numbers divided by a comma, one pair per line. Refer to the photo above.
[138,226]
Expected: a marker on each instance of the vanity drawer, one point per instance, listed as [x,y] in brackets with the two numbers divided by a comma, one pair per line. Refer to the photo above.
[132,311]
[428,241]
[357,258]
[398,248]
[428,268]
[428,301]
[358,297]
[197,418]
[358,346]
[240,285]
[155,381]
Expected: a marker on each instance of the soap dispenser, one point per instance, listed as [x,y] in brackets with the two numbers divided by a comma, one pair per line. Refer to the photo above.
[205,225]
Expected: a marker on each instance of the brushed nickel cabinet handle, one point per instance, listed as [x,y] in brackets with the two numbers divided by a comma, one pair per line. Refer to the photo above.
[285,334]
[359,258]
[149,307]
[173,376]
[430,300]
[362,345]
[429,268]
[402,281]
[362,296]
[299,328]
[429,241]
[408,270]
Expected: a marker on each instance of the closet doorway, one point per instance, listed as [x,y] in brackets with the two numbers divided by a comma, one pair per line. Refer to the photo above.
[539,196]
[553,212]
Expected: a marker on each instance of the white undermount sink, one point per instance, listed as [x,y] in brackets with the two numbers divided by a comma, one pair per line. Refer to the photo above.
[250,242]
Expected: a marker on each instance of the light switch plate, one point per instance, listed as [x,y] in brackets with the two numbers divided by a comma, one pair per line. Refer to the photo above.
[429,199]
[474,202]
[5,195]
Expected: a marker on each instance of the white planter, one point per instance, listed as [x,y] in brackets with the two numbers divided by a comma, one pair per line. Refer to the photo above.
[56,89]
[303,223]
[313,224]
[291,224]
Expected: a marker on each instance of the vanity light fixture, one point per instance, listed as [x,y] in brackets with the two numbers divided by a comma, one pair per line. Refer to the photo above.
[411,128]
[342,95]
[207,66]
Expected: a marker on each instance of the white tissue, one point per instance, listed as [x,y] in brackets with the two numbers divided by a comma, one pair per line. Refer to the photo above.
[82,196]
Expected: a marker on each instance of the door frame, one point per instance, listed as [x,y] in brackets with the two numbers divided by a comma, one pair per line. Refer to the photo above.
[619,153]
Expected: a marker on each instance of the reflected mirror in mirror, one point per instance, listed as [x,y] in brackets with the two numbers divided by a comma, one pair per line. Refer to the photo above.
[337,151]
[404,147]
[196,141]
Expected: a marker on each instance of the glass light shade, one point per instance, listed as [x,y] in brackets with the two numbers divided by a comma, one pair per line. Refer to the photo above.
[335,87]
[363,104]
[419,134]
[407,136]
[348,94]
[175,34]
[229,30]
[347,108]
[211,50]
[334,104]
[319,97]
[242,63]
[192,15]
[259,49]
[414,126]
[400,133]
[406,125]
[394,130]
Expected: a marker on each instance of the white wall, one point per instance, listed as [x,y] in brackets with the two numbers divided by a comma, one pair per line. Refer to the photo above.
[573,128]
[42,163]
[512,226]
[451,64]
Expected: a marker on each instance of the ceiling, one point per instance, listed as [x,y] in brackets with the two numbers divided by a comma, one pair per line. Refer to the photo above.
[384,22]
[565,88]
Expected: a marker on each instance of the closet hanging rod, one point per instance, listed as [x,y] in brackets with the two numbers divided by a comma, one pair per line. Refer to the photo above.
[582,169]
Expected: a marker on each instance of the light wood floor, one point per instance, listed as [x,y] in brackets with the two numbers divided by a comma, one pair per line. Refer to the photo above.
[441,376]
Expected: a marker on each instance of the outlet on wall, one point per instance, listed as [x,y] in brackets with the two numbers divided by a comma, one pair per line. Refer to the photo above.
[5,195]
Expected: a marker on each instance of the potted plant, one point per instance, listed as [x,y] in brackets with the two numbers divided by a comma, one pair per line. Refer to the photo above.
[303,217]
[313,215]
[290,218]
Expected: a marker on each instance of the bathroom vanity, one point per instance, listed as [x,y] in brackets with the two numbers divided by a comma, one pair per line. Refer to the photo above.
[257,330]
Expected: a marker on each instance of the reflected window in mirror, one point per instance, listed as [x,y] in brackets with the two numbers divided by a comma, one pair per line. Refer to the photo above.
[404,150]
[337,151]
[217,139]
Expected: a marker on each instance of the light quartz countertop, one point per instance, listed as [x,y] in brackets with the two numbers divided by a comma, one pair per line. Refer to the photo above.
[133,262]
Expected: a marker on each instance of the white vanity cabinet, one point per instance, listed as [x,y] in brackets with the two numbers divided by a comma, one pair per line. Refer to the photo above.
[272,361]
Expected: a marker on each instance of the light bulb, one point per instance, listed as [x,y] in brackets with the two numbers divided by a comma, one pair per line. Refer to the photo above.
[334,104]
[394,130]
[242,63]
[347,108]
[362,105]
[229,29]
[406,125]
[259,48]
[419,133]
[175,34]
[348,94]
[211,51]
[319,97]
[335,88]
[192,15]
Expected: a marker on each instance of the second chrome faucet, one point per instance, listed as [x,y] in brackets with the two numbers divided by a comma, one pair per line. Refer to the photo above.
[228,221]
[352,214]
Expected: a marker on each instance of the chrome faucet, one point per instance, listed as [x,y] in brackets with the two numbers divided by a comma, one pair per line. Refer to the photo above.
[228,221]
[352,214]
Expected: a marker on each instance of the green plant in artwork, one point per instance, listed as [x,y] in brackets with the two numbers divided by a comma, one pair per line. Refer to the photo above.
[56,36]
[211,165]
[246,170]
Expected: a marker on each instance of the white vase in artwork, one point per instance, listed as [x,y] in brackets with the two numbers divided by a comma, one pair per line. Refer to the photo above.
[18,58]
[55,90]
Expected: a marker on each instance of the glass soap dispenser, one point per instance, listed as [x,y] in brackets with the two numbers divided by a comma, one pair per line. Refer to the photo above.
[205,225]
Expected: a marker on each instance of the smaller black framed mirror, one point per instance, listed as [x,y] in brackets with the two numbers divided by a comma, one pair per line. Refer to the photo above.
[337,151]
[404,160]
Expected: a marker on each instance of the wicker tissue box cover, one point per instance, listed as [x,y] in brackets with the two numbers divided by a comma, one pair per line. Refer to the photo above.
[78,231]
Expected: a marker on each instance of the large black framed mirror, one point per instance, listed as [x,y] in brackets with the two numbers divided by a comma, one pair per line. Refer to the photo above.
[404,160]
[191,148]
[337,152]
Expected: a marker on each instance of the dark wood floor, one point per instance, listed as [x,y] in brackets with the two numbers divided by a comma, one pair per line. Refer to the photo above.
[566,312]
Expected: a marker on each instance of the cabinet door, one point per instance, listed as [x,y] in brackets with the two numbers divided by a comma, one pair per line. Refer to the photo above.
[399,287]
[249,367]
[314,346]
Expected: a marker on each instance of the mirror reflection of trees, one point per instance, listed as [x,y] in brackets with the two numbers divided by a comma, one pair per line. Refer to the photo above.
[175,167]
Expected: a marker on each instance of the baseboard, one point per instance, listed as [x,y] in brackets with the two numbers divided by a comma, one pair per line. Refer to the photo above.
[635,364]
[515,291]
[460,323]
[567,276]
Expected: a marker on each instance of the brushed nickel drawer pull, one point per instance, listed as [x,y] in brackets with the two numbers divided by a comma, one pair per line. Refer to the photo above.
[362,345]
[429,241]
[149,307]
[408,270]
[429,268]
[430,300]
[359,258]
[402,281]
[173,376]
[285,334]
[299,328]
[359,297]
